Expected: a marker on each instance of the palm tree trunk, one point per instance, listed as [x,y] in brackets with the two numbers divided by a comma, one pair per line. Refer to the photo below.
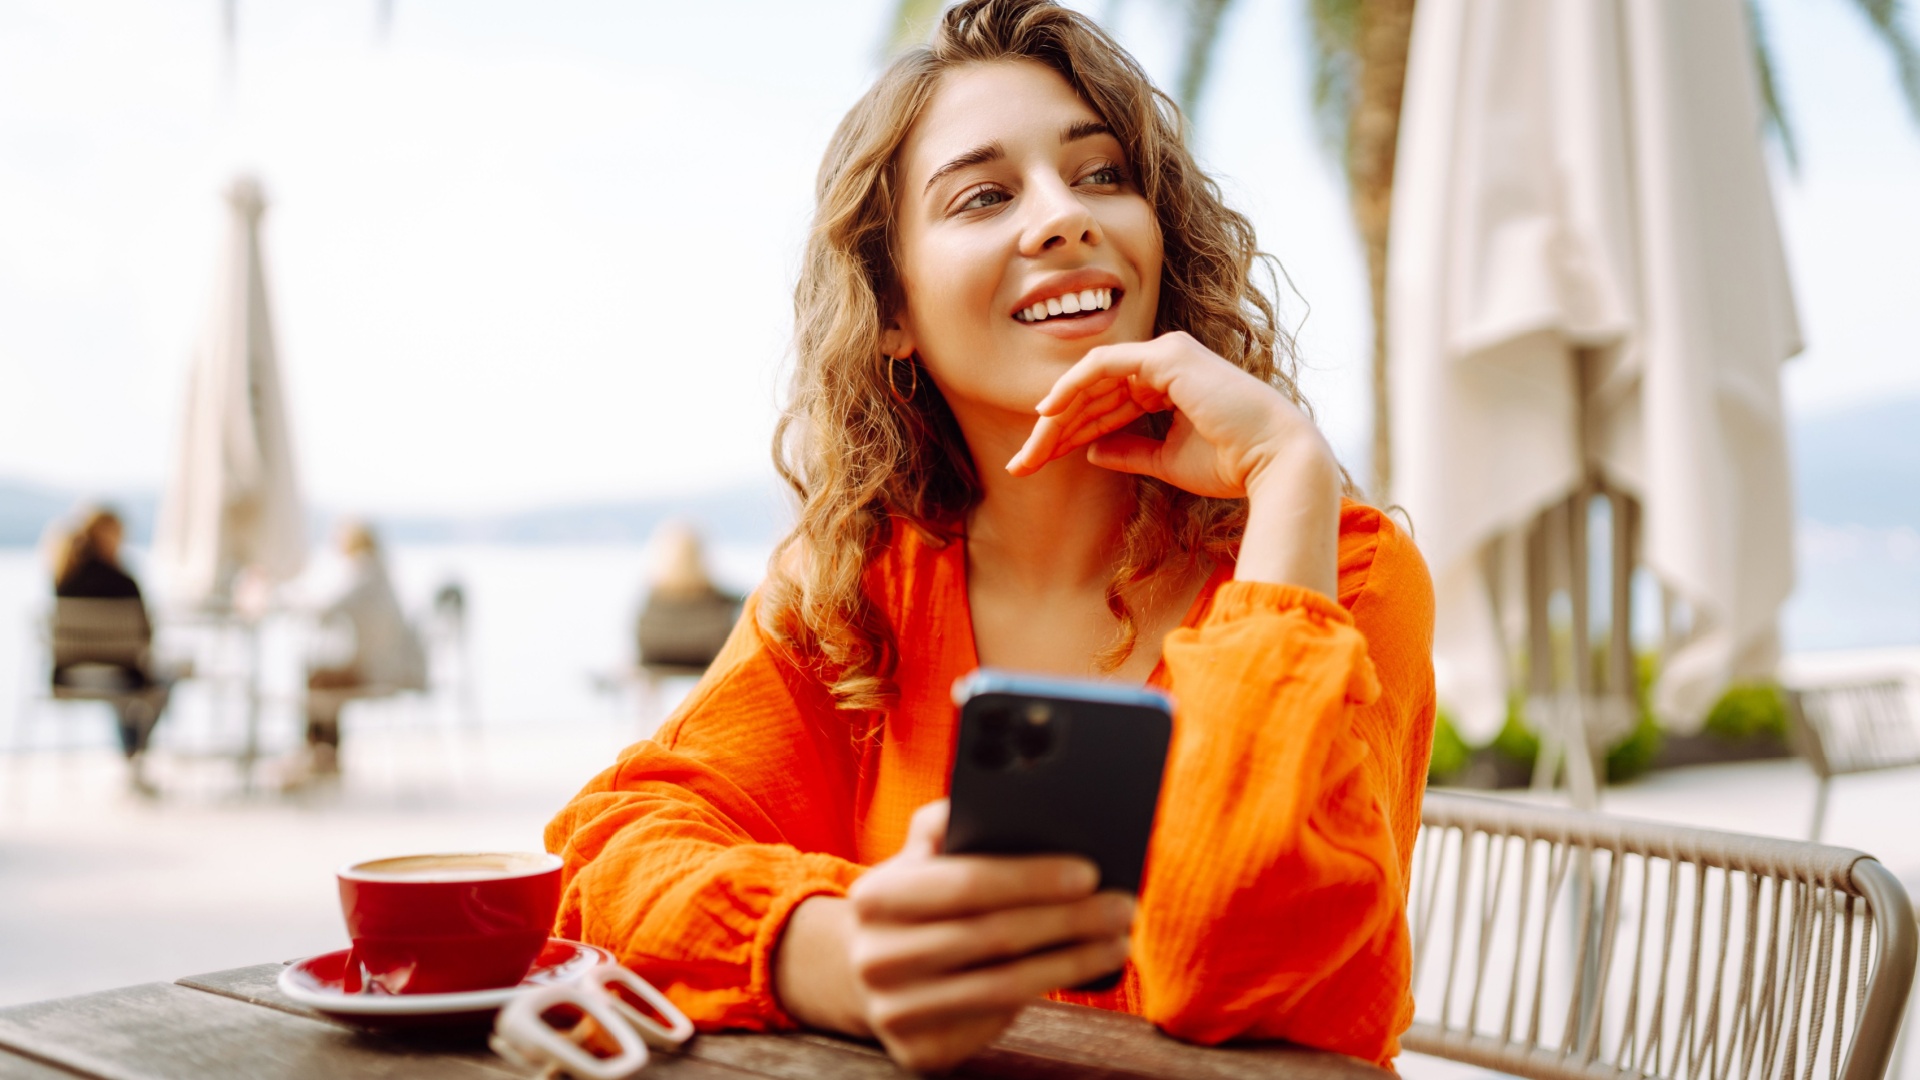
[1385,29]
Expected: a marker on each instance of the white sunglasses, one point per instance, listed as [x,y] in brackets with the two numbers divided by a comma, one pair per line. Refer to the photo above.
[547,1029]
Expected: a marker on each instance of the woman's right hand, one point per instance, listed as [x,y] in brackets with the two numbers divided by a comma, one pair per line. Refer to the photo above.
[934,955]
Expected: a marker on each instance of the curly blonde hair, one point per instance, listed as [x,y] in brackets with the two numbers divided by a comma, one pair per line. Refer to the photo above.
[866,459]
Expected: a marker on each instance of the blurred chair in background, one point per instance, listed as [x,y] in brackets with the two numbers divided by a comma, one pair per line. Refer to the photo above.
[365,649]
[449,653]
[99,638]
[1851,727]
[682,625]
[686,618]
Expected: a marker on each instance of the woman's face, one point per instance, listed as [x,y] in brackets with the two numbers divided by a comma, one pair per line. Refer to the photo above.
[1022,239]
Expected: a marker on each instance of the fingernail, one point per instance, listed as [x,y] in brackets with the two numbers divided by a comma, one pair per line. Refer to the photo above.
[1079,877]
[1123,908]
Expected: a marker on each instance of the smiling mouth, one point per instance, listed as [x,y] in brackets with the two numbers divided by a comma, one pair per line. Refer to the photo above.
[1073,305]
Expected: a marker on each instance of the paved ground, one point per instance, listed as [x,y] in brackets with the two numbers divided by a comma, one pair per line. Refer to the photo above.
[100,889]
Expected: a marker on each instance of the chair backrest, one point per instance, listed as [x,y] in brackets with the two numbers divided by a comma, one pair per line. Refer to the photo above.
[91,631]
[1854,727]
[684,632]
[1557,944]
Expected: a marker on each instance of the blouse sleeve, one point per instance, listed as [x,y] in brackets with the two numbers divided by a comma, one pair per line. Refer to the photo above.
[1275,905]
[686,857]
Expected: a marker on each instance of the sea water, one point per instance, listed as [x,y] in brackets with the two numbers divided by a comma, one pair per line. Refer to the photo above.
[545,620]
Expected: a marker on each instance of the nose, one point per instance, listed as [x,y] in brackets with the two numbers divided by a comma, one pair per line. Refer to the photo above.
[1057,218]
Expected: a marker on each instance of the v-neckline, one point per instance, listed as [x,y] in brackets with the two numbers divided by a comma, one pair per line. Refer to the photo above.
[1156,677]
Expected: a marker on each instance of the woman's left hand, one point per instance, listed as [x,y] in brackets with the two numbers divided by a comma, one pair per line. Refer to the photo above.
[1228,427]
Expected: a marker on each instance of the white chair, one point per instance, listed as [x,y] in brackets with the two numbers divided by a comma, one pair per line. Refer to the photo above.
[1848,728]
[444,636]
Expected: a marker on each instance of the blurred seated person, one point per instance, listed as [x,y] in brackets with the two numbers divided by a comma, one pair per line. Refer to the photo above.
[686,618]
[86,566]
[367,648]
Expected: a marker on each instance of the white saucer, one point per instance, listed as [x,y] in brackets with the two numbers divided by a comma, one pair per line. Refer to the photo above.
[318,982]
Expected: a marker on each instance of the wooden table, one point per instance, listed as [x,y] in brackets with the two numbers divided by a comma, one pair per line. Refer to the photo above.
[235,1024]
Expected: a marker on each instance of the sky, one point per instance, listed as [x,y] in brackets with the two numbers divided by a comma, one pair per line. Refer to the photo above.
[526,254]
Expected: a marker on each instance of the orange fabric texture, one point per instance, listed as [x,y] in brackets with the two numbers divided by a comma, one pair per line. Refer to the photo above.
[1274,904]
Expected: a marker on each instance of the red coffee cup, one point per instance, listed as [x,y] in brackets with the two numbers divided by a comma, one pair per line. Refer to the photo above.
[441,924]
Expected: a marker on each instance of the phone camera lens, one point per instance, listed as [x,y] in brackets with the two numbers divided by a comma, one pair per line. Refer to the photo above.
[1033,741]
[991,753]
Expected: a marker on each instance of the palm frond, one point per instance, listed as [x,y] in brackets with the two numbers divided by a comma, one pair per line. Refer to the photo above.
[1196,62]
[1333,41]
[912,22]
[1771,101]
[1888,18]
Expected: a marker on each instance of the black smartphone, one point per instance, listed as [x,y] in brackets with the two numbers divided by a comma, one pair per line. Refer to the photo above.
[1058,766]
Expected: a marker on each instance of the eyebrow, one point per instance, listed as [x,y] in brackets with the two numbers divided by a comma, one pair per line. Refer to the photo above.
[979,155]
[993,151]
[1084,129]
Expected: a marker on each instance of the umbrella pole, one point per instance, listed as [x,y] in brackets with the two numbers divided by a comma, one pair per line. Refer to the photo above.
[1565,706]
[250,749]
[1623,683]
[1575,713]
[1539,687]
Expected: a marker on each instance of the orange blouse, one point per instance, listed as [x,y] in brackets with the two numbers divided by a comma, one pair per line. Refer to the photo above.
[1274,904]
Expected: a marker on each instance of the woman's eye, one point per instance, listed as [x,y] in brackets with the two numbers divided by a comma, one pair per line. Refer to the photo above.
[1105,176]
[984,198]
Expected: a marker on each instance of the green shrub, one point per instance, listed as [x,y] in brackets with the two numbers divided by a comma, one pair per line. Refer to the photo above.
[1747,710]
[1634,754]
[1515,739]
[1450,752]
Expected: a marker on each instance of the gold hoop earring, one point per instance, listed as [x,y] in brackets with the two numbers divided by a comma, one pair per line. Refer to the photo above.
[913,386]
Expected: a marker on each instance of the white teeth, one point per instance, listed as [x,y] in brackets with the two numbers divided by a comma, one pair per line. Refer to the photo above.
[1068,304]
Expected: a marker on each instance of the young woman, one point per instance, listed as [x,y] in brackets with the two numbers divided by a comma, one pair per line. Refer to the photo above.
[1042,419]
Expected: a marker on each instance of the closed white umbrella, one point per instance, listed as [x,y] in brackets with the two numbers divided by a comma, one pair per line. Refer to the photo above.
[233,501]
[1587,292]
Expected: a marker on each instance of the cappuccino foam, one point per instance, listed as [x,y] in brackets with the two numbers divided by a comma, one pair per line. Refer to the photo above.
[456,867]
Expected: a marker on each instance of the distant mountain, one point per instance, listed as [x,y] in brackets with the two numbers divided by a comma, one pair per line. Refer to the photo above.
[751,514]
[27,509]
[1860,465]
[756,514]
